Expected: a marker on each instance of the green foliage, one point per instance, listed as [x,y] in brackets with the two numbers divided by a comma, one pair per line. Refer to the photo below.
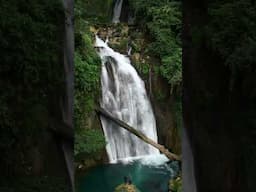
[30,72]
[96,11]
[89,141]
[163,23]
[30,52]
[176,185]
[159,96]
[87,74]
[126,188]
[172,73]
[145,68]
[87,88]
[87,66]
[236,42]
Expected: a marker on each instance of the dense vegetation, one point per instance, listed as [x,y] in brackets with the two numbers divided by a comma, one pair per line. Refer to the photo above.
[163,24]
[30,74]
[87,89]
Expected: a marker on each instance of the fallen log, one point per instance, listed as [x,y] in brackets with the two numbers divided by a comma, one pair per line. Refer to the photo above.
[161,148]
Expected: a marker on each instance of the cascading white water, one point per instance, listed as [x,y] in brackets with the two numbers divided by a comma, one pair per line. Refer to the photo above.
[117,11]
[125,97]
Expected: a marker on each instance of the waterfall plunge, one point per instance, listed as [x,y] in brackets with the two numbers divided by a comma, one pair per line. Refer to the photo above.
[117,11]
[125,97]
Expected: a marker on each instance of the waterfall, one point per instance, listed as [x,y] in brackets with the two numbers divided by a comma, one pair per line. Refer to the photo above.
[117,11]
[124,96]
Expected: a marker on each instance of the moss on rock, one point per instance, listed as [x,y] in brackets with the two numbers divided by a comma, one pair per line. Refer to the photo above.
[126,188]
[175,185]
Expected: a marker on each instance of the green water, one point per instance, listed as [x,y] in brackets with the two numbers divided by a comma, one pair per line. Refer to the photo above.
[147,178]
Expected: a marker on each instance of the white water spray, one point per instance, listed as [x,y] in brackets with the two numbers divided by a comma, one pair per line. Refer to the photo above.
[124,96]
[117,11]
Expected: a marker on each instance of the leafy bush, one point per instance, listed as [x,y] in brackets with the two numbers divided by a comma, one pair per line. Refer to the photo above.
[163,23]
[172,73]
[96,11]
[175,185]
[126,188]
[89,141]
[237,37]
[87,86]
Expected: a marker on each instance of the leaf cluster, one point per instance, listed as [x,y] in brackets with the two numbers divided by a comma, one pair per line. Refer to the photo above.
[163,25]
[89,141]
[236,42]
[87,84]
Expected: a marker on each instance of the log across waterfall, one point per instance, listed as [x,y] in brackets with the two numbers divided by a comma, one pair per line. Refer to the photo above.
[140,135]
[125,97]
